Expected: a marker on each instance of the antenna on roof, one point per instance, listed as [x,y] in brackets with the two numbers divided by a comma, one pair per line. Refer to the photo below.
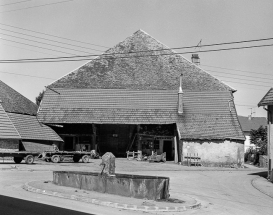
[199,44]
[251,112]
[195,57]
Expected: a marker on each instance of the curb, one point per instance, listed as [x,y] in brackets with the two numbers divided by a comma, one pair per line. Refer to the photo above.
[257,187]
[27,187]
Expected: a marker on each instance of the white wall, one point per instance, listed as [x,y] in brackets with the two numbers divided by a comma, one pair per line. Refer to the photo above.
[216,153]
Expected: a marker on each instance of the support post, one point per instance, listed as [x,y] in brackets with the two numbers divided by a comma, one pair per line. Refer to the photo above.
[178,142]
[139,146]
[270,142]
[94,137]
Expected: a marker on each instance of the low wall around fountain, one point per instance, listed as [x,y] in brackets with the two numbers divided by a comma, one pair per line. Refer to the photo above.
[136,186]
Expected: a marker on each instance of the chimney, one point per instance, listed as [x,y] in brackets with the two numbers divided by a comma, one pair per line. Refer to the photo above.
[195,59]
[249,117]
[180,97]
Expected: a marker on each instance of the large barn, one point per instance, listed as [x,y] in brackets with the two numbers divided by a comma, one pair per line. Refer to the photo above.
[141,95]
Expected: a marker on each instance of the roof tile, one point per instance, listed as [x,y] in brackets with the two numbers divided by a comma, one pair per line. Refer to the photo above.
[253,123]
[30,128]
[14,102]
[267,99]
[206,114]
[7,129]
[138,66]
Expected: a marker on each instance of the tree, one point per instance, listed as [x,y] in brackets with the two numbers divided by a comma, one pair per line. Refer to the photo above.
[39,98]
[259,138]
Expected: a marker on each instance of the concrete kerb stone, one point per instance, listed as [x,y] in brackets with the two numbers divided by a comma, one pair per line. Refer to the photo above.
[255,185]
[29,188]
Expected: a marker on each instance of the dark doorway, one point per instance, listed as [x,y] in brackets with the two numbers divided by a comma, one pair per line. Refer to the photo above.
[168,148]
[113,138]
[68,143]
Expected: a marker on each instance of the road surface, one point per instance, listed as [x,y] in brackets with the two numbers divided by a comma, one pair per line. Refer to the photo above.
[221,191]
[13,206]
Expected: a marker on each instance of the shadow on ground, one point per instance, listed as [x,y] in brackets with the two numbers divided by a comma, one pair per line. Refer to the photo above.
[261,174]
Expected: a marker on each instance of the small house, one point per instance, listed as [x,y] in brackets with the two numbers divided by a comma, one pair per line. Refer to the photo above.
[19,126]
[267,103]
[249,123]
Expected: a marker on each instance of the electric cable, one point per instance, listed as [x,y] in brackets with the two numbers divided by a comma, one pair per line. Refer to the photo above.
[233,69]
[239,74]
[7,11]
[51,40]
[28,49]
[19,2]
[110,56]
[215,44]
[46,43]
[51,35]
[36,46]
[245,79]
[27,75]
[246,83]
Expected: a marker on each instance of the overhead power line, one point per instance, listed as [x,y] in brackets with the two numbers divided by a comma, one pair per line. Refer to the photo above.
[246,105]
[19,2]
[55,41]
[112,56]
[48,44]
[245,79]
[51,35]
[215,44]
[240,75]
[55,79]
[7,11]
[26,75]
[247,83]
[28,49]
[37,46]
[234,69]
[143,51]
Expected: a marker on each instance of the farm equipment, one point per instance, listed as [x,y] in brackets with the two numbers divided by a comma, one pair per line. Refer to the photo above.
[51,155]
[57,156]
[18,156]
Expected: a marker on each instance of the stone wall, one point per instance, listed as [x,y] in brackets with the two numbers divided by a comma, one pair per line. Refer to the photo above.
[215,153]
[9,144]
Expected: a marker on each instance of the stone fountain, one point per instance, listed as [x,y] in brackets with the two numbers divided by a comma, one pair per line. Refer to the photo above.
[107,181]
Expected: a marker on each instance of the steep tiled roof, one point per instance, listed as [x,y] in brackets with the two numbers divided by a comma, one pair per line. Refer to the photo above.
[253,123]
[138,66]
[7,129]
[36,147]
[206,114]
[267,99]
[14,102]
[30,128]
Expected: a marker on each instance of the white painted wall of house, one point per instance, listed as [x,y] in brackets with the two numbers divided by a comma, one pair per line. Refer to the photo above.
[216,153]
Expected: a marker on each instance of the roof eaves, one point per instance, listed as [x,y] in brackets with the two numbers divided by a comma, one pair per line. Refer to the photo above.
[259,104]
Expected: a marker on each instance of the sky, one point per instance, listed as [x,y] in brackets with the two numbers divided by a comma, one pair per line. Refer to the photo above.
[57,28]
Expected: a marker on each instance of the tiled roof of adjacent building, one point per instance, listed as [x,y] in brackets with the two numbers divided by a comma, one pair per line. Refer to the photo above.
[14,102]
[7,129]
[267,99]
[249,123]
[138,66]
[207,115]
[29,128]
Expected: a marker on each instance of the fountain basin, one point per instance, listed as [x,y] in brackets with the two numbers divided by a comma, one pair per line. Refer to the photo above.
[136,186]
